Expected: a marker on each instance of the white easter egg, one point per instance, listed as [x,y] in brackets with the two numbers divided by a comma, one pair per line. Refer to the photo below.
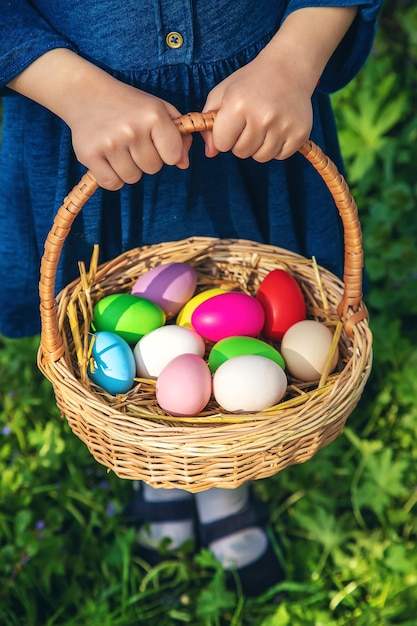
[157,348]
[249,383]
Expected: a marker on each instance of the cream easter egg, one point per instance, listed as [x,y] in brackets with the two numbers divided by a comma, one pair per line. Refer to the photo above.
[305,347]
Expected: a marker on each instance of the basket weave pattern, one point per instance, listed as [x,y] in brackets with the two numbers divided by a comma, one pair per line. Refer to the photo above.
[130,434]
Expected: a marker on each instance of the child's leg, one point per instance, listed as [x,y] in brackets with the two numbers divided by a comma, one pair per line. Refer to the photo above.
[161,514]
[177,530]
[232,526]
[238,548]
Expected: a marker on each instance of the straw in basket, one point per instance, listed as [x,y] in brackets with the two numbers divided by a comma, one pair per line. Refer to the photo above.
[130,434]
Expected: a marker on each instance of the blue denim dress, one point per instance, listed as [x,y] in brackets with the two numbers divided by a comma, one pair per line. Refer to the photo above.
[283,203]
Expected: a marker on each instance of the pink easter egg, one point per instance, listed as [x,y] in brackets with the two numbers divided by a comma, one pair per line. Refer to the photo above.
[227,315]
[184,386]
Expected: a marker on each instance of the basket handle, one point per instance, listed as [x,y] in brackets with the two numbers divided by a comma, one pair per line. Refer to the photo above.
[52,342]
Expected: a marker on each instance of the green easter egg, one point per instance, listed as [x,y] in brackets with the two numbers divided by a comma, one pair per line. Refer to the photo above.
[230,347]
[128,316]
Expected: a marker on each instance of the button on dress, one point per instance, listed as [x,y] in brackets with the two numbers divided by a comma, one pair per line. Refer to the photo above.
[177,51]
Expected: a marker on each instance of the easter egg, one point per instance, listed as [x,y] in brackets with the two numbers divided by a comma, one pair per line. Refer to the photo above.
[228,314]
[127,315]
[305,348]
[113,365]
[184,386]
[236,346]
[154,351]
[169,285]
[249,383]
[283,302]
[184,316]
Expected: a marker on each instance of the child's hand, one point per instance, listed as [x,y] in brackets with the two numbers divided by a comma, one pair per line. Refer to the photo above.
[118,132]
[261,113]
[264,109]
[125,134]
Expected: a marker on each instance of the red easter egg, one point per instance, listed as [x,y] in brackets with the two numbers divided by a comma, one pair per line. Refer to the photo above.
[283,302]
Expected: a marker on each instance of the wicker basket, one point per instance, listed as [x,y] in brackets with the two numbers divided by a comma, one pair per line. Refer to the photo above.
[130,434]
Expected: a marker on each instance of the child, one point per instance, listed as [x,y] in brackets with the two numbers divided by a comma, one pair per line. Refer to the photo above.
[96,85]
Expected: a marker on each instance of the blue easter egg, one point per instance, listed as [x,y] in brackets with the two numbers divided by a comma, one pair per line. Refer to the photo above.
[113,365]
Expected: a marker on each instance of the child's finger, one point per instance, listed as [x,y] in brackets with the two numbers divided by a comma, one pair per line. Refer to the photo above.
[145,156]
[250,141]
[227,130]
[184,162]
[213,103]
[168,143]
[210,150]
[106,176]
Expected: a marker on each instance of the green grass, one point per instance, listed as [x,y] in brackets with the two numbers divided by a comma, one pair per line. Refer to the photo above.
[345,522]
